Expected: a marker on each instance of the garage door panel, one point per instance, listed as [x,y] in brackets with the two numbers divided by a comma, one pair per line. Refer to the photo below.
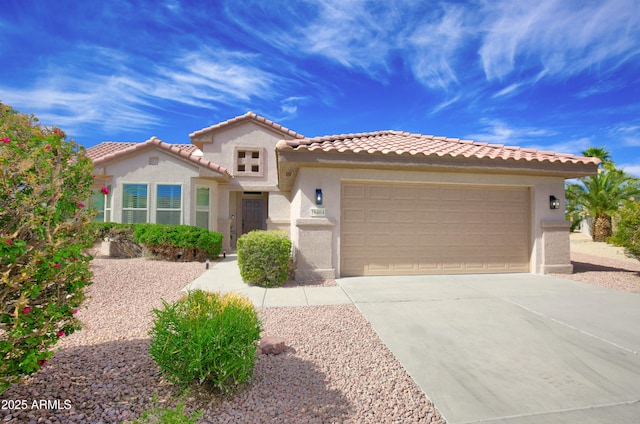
[451,194]
[406,216]
[358,240]
[379,215]
[429,228]
[404,193]
[353,215]
[378,192]
[353,191]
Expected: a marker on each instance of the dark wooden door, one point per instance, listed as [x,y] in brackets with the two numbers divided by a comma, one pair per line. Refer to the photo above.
[251,215]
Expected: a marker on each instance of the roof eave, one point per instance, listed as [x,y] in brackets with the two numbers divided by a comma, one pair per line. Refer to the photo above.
[206,135]
[290,160]
[206,168]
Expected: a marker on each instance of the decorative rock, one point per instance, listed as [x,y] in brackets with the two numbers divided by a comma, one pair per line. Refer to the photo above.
[271,345]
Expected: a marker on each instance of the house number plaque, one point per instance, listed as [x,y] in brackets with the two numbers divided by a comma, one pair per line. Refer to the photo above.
[318,212]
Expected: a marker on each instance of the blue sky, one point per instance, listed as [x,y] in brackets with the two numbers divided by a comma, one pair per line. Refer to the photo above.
[557,75]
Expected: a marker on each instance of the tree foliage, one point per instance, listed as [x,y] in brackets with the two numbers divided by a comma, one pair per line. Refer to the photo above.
[627,234]
[599,196]
[44,180]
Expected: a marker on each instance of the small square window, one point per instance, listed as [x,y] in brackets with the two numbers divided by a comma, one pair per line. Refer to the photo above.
[249,162]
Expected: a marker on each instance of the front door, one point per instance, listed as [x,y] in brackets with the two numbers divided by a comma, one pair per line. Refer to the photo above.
[251,215]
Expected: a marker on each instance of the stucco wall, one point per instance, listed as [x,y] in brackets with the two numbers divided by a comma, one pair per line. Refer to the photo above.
[222,150]
[279,211]
[329,180]
[153,167]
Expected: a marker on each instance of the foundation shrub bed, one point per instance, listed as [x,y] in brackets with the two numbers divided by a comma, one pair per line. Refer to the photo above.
[206,339]
[117,233]
[168,242]
[264,257]
[179,242]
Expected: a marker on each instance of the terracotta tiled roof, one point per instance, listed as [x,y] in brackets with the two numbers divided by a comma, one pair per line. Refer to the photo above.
[404,143]
[110,150]
[247,116]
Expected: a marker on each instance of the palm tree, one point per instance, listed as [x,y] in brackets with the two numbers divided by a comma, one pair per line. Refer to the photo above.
[601,153]
[600,195]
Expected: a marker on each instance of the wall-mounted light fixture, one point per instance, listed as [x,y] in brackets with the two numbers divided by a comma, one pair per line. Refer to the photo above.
[554,202]
[318,196]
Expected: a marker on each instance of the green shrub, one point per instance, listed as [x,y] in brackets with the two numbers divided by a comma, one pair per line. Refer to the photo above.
[168,242]
[179,242]
[45,181]
[118,233]
[627,233]
[159,415]
[263,257]
[206,339]
[111,230]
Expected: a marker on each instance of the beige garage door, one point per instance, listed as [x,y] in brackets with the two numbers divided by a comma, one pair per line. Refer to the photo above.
[395,229]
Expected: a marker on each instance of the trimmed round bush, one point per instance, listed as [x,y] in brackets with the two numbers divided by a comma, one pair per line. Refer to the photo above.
[206,339]
[264,257]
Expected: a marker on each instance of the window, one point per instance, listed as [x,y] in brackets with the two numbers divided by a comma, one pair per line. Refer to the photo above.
[134,203]
[169,204]
[249,162]
[202,207]
[102,202]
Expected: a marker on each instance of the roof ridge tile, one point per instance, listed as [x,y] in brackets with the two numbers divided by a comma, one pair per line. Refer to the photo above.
[248,115]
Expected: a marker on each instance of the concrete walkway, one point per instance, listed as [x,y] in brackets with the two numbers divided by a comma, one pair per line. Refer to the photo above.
[224,276]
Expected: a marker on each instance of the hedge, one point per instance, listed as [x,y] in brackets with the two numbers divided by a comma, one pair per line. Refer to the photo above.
[169,242]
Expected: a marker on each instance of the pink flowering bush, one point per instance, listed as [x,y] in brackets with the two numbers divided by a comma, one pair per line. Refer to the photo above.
[44,180]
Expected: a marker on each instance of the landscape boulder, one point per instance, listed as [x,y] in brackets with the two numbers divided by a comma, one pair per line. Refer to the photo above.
[271,345]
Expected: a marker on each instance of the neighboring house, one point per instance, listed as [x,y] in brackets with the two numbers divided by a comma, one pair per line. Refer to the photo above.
[381,203]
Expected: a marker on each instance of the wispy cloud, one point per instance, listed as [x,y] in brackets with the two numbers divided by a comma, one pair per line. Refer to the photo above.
[509,90]
[601,88]
[574,146]
[116,93]
[289,106]
[445,104]
[500,132]
[434,46]
[366,36]
[631,168]
[353,34]
[559,37]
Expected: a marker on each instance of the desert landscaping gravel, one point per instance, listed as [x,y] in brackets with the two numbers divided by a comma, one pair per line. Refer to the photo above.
[602,265]
[335,369]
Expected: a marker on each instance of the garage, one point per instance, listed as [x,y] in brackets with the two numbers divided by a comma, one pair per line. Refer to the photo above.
[406,228]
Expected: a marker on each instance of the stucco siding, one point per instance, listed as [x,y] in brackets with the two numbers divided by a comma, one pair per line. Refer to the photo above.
[223,150]
[153,168]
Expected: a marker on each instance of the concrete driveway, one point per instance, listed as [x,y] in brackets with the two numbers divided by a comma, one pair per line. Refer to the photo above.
[511,348]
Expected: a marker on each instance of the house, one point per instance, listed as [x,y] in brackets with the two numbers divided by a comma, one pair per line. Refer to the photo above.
[379,203]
